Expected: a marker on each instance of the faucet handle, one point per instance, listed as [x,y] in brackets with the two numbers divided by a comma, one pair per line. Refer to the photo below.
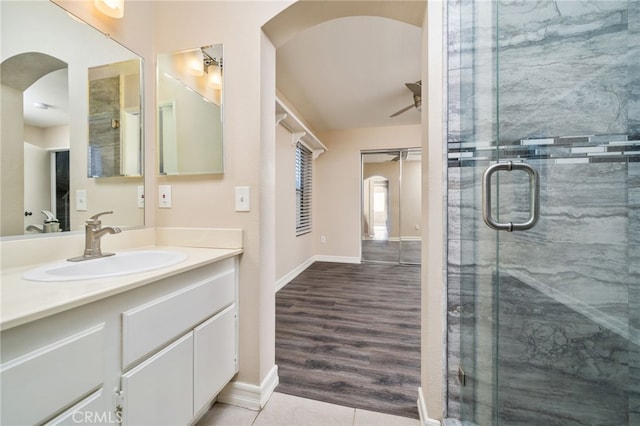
[94,218]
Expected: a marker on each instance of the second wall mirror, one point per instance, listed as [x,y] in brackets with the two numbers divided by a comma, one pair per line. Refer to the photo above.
[190,99]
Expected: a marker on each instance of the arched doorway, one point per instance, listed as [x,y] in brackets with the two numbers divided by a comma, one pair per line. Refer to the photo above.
[304,15]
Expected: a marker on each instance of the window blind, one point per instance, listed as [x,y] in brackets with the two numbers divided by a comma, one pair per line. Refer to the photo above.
[303,189]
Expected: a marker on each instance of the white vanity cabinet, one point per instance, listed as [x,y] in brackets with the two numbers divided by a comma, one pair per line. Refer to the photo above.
[155,354]
[170,386]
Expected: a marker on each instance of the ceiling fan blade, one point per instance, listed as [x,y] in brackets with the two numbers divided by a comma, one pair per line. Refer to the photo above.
[416,88]
[395,114]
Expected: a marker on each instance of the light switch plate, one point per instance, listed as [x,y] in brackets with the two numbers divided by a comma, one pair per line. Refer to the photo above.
[81,200]
[164,196]
[243,199]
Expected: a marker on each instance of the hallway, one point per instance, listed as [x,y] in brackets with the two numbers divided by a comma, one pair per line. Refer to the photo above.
[349,334]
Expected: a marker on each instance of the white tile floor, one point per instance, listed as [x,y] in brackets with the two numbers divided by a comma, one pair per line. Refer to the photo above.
[287,410]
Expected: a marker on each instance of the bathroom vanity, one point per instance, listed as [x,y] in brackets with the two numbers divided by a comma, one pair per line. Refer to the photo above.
[150,348]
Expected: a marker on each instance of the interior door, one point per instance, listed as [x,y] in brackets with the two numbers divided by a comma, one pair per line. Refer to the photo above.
[37,188]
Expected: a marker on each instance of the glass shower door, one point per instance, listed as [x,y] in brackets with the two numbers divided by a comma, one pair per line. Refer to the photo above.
[550,315]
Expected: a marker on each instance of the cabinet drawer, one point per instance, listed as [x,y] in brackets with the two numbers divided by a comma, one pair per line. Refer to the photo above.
[153,324]
[214,356]
[45,381]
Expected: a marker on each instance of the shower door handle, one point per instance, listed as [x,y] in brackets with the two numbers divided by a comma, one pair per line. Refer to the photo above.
[534,197]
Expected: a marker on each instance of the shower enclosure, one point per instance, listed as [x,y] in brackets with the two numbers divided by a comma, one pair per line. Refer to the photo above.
[544,248]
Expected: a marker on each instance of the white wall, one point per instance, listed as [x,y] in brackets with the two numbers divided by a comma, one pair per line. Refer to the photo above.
[337,185]
[249,132]
[12,167]
[433,349]
[291,251]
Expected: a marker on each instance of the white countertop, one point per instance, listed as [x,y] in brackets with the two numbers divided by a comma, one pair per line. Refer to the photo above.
[24,301]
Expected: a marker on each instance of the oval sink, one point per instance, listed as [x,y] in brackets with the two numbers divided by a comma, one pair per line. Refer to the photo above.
[119,264]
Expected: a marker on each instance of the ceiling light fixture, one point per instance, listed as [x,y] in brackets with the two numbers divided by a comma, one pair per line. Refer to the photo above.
[111,8]
[40,105]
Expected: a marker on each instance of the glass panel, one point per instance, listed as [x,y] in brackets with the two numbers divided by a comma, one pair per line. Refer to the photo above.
[548,318]
[380,206]
[472,129]
[563,288]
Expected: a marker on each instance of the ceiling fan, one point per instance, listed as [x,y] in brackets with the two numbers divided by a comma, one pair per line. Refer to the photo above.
[416,90]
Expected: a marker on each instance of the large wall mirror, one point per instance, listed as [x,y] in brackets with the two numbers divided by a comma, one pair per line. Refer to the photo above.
[71,128]
[190,92]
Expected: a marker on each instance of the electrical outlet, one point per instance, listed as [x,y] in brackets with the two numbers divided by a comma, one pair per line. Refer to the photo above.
[323,239]
[164,196]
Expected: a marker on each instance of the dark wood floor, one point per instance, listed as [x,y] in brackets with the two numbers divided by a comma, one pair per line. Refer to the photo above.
[391,251]
[349,334]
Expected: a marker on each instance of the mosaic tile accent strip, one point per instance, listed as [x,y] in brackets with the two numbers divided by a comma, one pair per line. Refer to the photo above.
[559,150]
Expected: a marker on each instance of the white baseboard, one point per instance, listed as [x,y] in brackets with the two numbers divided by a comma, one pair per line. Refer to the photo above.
[422,410]
[294,273]
[250,396]
[336,259]
[317,258]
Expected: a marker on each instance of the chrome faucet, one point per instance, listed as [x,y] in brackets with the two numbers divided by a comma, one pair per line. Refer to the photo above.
[93,233]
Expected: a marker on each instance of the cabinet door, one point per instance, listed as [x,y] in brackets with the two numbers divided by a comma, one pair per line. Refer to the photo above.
[160,390]
[88,411]
[214,356]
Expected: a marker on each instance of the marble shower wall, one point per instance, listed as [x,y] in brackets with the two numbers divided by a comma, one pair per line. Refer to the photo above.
[566,68]
[634,291]
[104,127]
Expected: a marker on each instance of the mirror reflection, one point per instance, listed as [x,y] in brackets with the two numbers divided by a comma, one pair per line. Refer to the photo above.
[190,136]
[391,206]
[48,62]
[114,124]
